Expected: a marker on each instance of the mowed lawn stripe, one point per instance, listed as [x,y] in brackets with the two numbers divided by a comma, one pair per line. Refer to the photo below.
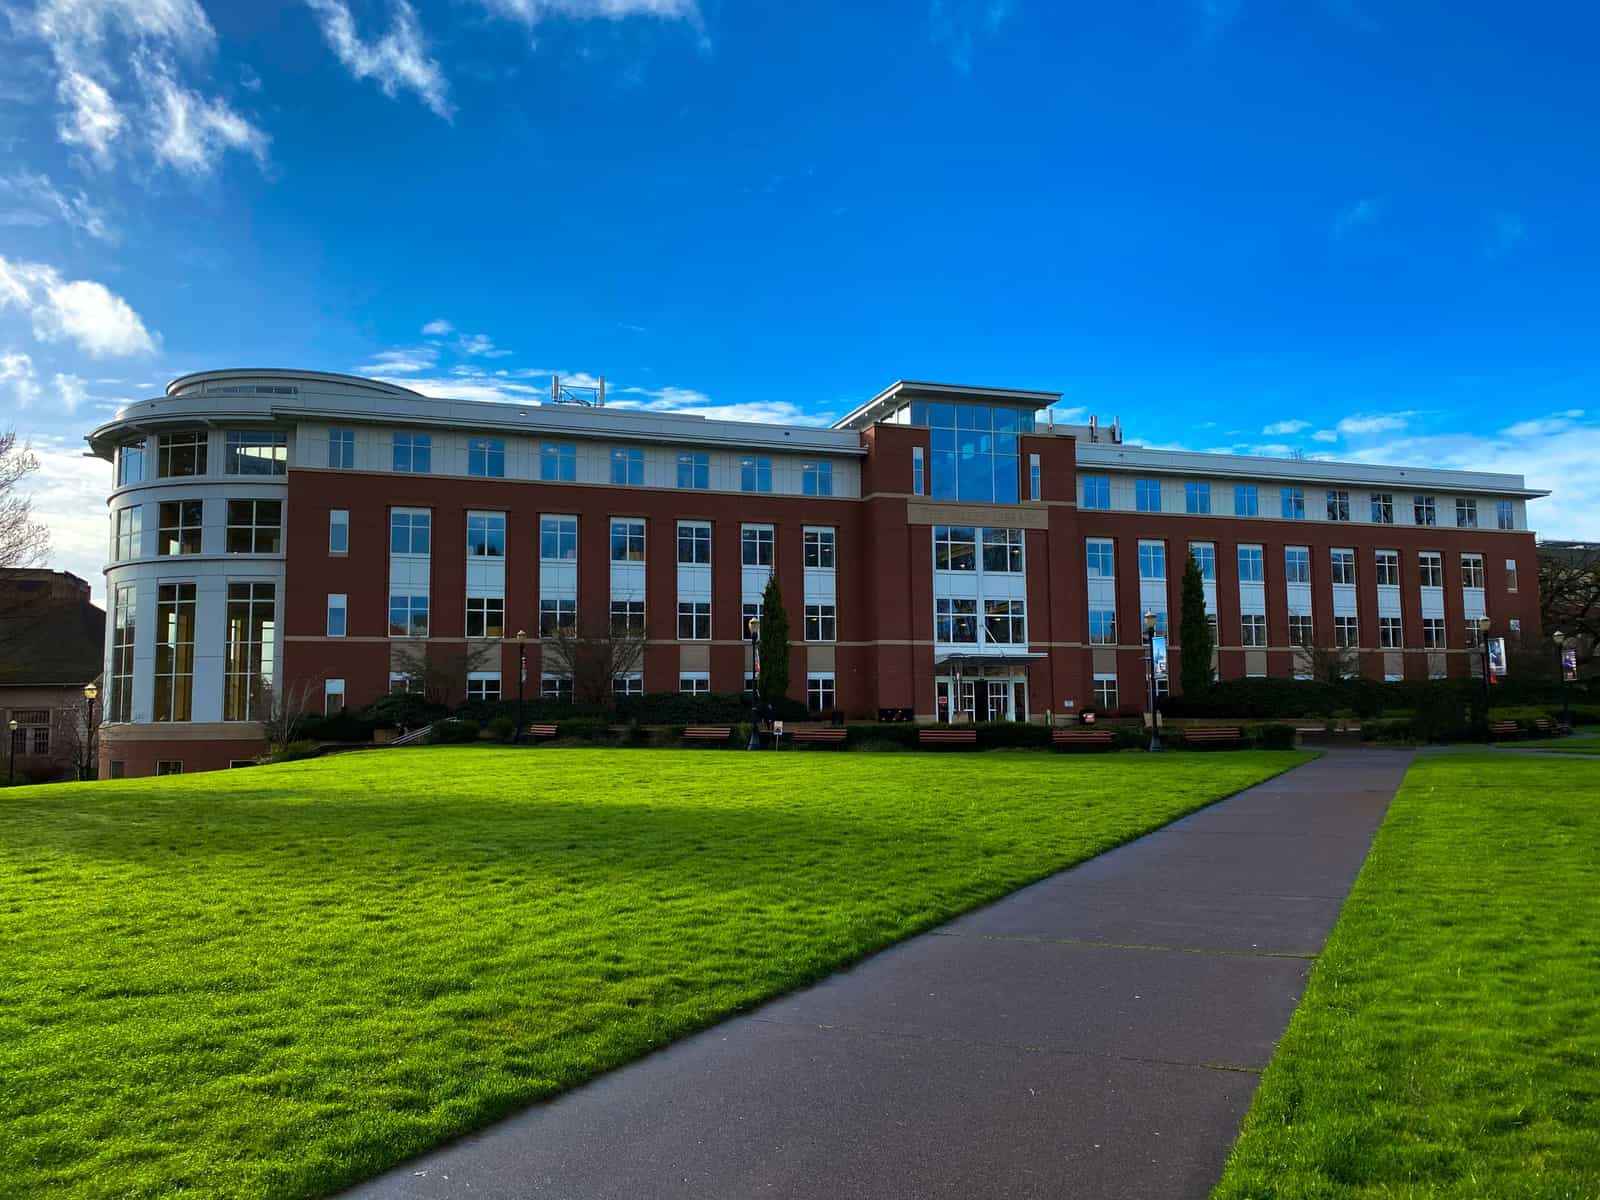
[277,981]
[1448,1044]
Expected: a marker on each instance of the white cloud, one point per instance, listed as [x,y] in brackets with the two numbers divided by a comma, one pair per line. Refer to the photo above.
[102,323]
[480,345]
[191,133]
[1325,435]
[1560,422]
[1363,212]
[397,61]
[17,378]
[955,27]
[687,400]
[71,390]
[1278,428]
[402,362]
[93,120]
[531,12]
[483,387]
[438,327]
[1372,423]
[42,202]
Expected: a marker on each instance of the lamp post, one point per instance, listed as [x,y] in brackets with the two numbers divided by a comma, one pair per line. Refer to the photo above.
[11,765]
[1561,667]
[1150,641]
[754,626]
[88,767]
[522,677]
[1483,646]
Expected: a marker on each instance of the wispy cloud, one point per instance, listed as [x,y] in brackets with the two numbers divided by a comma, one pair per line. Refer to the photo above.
[37,201]
[1370,423]
[1279,428]
[531,12]
[18,380]
[1363,212]
[402,362]
[438,327]
[397,61]
[480,345]
[69,497]
[956,27]
[1325,435]
[100,322]
[191,133]
[1505,233]
[1561,422]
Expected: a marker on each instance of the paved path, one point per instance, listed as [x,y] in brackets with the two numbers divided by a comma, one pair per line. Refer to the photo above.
[1098,1034]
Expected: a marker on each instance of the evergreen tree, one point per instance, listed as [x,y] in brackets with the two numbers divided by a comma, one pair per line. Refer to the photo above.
[1194,632]
[774,681]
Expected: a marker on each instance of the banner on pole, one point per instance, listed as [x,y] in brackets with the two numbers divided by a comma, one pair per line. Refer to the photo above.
[1158,655]
[1497,657]
[1569,664]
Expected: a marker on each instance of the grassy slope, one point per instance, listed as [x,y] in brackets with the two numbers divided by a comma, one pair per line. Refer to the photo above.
[279,980]
[1449,1042]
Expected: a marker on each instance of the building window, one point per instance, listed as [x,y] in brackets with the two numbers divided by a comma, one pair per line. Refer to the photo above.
[556,615]
[1097,492]
[169,766]
[558,539]
[486,457]
[130,530]
[1147,495]
[124,616]
[1002,551]
[179,530]
[1153,560]
[341,449]
[332,698]
[252,629]
[1105,691]
[1246,503]
[919,472]
[755,545]
[486,616]
[955,621]
[180,454]
[755,474]
[1389,637]
[1296,564]
[819,549]
[336,614]
[130,463]
[1035,480]
[1511,574]
[1338,506]
[1382,508]
[1466,513]
[694,543]
[974,450]
[1101,558]
[1424,510]
[1205,557]
[1388,567]
[1250,565]
[1196,497]
[483,685]
[486,535]
[1433,633]
[627,616]
[408,616]
[694,683]
[820,692]
[409,531]
[404,684]
[556,687]
[955,548]
[694,620]
[175,605]
[627,467]
[255,526]
[256,453]
[751,612]
[1430,566]
[1346,633]
[627,540]
[413,453]
[1005,622]
[1103,626]
[32,735]
[820,623]
[1253,629]
[558,462]
[816,479]
[338,531]
[1342,564]
[694,471]
[631,684]
[1301,631]
[1505,515]
[1472,571]
[1293,502]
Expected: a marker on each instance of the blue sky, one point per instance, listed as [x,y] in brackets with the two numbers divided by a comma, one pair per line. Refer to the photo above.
[1348,229]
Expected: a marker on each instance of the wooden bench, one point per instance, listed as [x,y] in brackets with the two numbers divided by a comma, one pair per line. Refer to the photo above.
[947,737]
[1080,737]
[1546,726]
[707,733]
[1213,735]
[541,732]
[1504,729]
[820,737]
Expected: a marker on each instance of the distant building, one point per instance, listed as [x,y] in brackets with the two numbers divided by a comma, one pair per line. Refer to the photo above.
[949,551]
[52,638]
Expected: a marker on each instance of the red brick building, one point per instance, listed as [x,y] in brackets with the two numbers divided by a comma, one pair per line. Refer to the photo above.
[942,549]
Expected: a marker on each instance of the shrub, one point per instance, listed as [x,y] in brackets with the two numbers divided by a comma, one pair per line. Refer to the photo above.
[305,748]
[1441,717]
[502,728]
[679,708]
[1274,736]
[901,735]
[453,731]
[342,726]
[997,735]
[1386,731]
[401,709]
[877,745]
[583,730]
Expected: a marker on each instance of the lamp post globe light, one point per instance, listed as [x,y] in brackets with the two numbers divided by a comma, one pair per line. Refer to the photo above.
[1483,646]
[90,691]
[1561,668]
[1150,641]
[522,676]
[11,763]
[755,685]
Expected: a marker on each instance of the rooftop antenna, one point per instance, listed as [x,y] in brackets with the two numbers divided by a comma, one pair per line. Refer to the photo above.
[568,393]
[1094,428]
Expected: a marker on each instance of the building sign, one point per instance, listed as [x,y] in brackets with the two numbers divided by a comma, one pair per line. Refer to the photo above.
[1497,657]
[1569,664]
[1158,654]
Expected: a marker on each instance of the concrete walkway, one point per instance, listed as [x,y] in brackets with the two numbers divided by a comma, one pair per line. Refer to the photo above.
[1098,1034]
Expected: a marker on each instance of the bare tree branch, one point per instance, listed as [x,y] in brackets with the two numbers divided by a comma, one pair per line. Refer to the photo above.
[23,541]
[593,654]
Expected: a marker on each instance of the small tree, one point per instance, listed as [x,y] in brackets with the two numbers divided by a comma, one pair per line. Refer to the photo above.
[1325,662]
[282,713]
[76,738]
[438,676]
[593,654]
[773,683]
[1194,632]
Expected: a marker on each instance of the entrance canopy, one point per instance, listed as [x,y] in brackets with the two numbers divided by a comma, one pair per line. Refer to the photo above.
[978,663]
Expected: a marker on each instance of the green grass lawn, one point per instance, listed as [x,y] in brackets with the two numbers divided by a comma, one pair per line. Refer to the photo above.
[1449,1042]
[274,981]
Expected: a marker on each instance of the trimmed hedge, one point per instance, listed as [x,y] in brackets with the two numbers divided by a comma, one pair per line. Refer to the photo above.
[449,732]
[1365,698]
